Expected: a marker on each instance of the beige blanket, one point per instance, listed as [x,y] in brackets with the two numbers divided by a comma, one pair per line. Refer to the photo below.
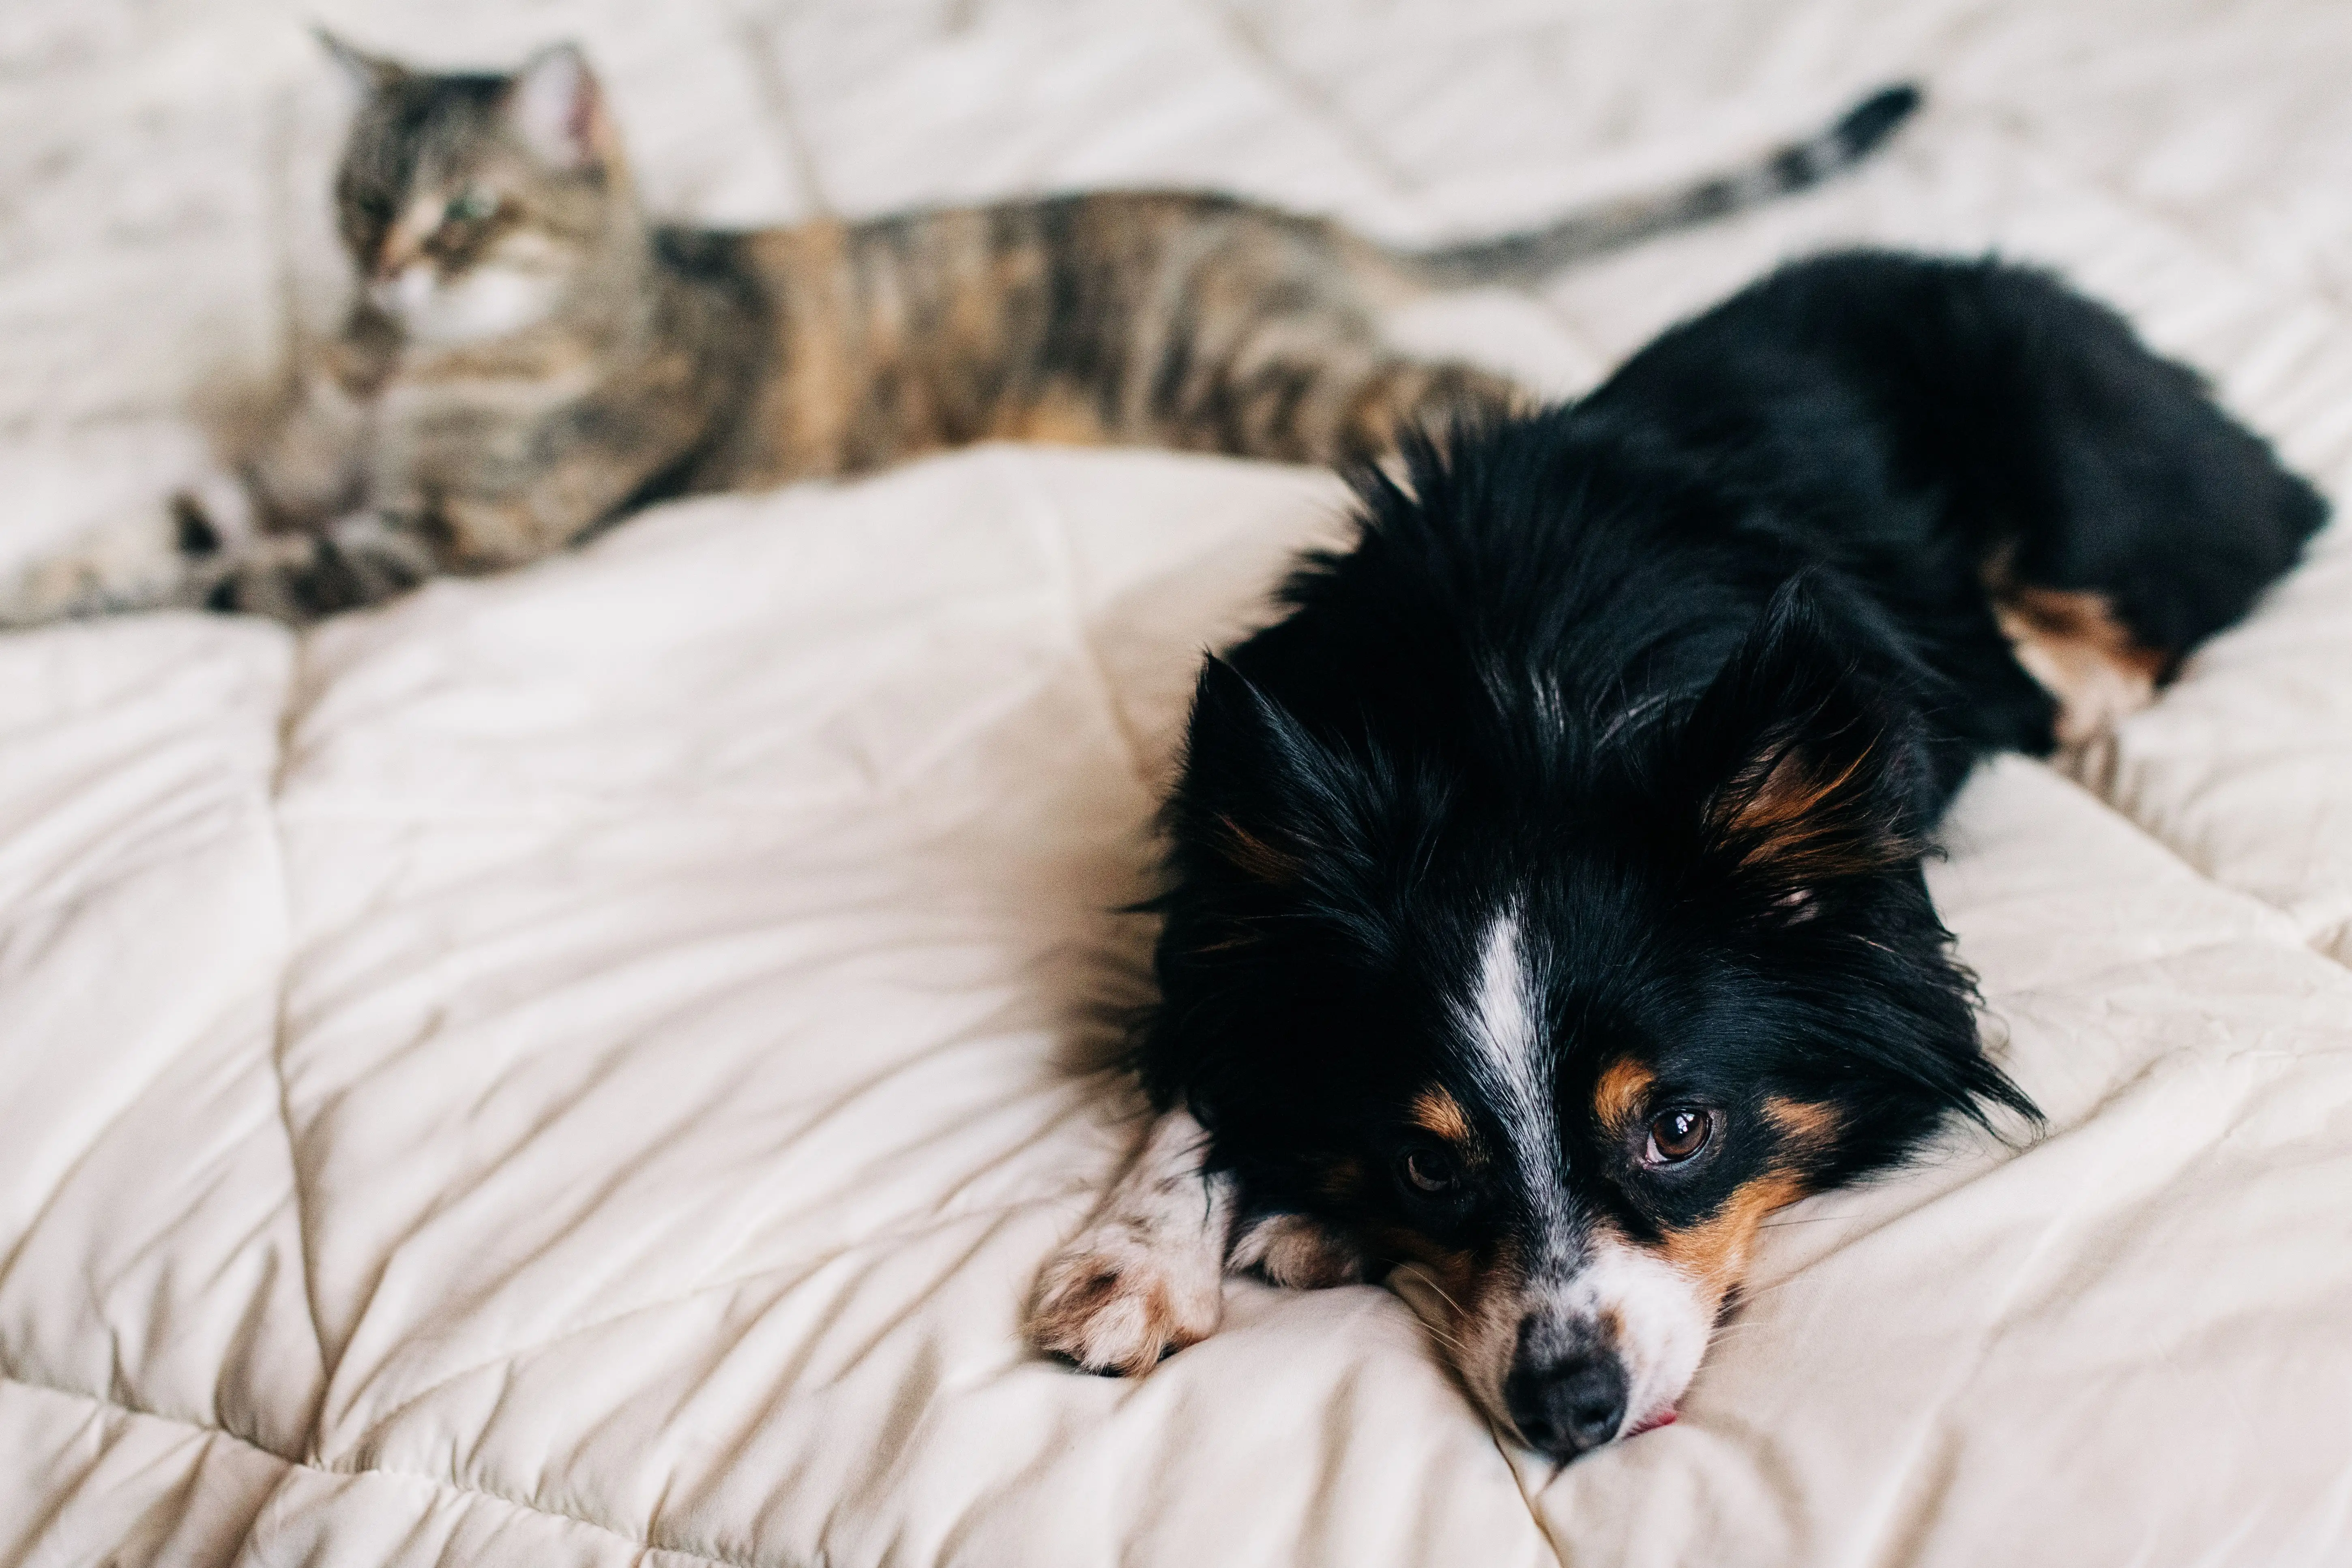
[583,1066]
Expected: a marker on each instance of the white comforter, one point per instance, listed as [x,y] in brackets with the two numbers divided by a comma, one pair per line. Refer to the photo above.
[581,1067]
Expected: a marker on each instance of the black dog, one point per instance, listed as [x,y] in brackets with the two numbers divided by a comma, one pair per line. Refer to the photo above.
[1546,903]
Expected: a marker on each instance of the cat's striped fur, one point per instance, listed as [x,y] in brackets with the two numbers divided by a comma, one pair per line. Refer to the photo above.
[528,357]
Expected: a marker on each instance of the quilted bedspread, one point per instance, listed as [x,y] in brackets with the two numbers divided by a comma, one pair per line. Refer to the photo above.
[582,1066]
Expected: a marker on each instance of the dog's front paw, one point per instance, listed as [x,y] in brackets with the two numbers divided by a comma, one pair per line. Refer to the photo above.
[1115,1305]
[1297,1253]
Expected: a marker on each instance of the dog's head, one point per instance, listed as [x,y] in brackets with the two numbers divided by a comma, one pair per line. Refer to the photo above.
[1549,1015]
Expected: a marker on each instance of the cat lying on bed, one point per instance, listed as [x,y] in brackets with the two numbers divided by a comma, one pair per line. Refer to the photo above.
[527,356]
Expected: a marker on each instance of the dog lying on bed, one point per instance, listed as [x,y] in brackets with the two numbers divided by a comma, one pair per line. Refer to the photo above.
[1546,905]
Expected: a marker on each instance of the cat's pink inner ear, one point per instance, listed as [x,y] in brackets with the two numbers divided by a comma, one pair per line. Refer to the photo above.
[556,105]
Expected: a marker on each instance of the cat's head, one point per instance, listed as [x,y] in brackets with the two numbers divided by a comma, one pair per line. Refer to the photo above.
[475,205]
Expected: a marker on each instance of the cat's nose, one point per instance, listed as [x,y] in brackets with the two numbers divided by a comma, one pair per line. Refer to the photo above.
[395,255]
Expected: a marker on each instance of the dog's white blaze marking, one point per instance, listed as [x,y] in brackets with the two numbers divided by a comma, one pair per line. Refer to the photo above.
[1147,1274]
[1508,1037]
[1576,1280]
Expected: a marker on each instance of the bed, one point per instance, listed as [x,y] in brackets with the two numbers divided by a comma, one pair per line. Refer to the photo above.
[582,1066]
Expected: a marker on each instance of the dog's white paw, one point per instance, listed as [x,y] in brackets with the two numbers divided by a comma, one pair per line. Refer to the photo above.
[1297,1253]
[1115,1304]
[1146,1278]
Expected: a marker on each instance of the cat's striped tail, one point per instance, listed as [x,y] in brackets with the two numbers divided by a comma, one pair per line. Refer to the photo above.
[1534,254]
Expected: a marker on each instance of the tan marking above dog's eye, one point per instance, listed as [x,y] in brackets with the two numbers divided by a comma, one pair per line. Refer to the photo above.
[1617,1096]
[1439,1114]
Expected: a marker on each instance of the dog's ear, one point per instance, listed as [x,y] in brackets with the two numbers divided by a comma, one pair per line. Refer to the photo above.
[1810,774]
[1259,792]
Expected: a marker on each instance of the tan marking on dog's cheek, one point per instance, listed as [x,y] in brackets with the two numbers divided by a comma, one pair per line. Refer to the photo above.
[1240,939]
[1716,1250]
[1471,1306]
[1454,1270]
[1617,1096]
[1805,1124]
[1343,1180]
[2074,645]
[1439,1114]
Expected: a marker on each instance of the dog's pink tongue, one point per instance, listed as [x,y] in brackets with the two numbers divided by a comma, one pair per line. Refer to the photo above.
[1665,1417]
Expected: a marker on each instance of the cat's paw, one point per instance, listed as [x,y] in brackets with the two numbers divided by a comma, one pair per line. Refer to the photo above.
[156,560]
[1115,1304]
[354,562]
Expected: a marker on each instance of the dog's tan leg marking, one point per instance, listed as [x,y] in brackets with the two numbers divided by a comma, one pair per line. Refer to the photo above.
[1296,1253]
[2074,645]
[1145,1278]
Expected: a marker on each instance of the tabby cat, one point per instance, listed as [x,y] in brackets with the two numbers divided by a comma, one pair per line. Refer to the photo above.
[528,356]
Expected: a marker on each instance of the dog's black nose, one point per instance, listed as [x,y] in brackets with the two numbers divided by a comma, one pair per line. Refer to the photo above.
[1567,1406]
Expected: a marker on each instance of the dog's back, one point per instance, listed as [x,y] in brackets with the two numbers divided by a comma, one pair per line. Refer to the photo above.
[1986,450]
[2019,511]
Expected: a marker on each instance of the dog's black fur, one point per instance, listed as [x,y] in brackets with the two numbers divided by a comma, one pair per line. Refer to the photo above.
[1681,678]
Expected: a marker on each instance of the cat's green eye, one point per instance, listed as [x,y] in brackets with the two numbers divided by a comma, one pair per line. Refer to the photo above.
[471,204]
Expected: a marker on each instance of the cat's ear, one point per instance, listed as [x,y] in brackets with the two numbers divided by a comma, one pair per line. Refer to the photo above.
[369,73]
[557,106]
[1810,773]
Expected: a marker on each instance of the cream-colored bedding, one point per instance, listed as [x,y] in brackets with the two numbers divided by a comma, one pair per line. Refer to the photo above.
[583,1066]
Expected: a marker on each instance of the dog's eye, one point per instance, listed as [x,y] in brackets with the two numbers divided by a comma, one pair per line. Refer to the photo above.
[1678,1135]
[1430,1171]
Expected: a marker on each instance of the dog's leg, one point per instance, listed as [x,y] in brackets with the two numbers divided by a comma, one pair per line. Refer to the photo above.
[1145,1278]
[2082,655]
[1296,1253]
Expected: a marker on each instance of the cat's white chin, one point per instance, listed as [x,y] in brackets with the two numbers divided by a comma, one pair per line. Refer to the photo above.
[490,302]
